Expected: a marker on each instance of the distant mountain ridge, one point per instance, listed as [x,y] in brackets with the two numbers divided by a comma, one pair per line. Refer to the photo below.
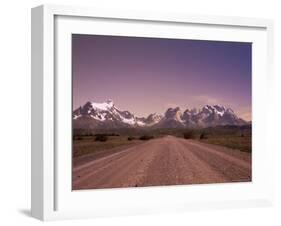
[107,116]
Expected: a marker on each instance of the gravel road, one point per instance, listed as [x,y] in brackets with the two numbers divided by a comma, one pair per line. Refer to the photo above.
[164,161]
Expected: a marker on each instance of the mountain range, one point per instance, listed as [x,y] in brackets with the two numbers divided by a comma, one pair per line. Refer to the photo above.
[107,116]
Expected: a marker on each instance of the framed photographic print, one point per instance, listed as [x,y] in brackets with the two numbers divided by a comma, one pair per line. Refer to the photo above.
[137,112]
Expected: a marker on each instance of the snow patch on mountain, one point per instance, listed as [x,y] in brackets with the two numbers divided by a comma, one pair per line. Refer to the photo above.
[130,121]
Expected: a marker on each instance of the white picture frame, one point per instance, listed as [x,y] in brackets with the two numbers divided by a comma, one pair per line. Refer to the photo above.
[52,197]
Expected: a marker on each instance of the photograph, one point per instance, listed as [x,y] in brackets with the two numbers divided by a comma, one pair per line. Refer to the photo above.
[151,111]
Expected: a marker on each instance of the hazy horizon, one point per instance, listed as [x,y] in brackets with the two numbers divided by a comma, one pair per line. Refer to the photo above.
[149,75]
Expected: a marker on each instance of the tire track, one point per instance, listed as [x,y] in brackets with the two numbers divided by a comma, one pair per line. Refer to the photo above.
[233,168]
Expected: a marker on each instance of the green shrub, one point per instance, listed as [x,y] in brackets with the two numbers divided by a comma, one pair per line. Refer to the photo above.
[188,135]
[101,138]
[203,136]
[77,138]
[114,134]
[146,137]
[107,134]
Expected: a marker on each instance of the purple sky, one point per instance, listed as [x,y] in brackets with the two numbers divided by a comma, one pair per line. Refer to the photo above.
[147,75]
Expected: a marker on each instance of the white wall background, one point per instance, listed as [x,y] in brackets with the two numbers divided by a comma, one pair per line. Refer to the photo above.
[15,112]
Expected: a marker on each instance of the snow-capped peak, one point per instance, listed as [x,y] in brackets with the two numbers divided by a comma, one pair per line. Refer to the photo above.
[174,113]
[105,106]
[218,110]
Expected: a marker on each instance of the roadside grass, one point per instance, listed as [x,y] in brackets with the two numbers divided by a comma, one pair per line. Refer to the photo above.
[234,137]
[88,144]
[242,143]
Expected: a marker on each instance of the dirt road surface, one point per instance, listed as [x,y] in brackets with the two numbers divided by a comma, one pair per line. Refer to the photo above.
[163,161]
